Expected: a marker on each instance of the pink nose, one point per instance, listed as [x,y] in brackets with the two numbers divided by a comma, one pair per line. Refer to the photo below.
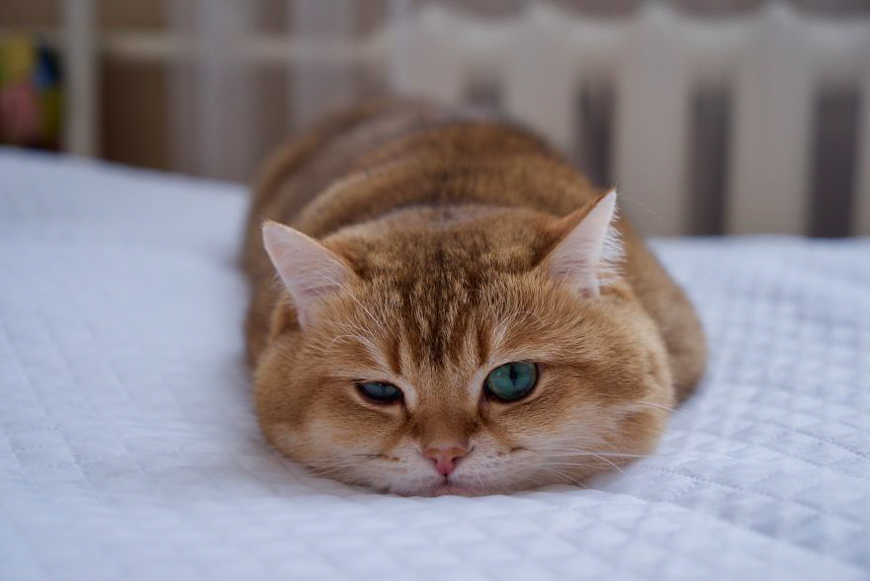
[445,459]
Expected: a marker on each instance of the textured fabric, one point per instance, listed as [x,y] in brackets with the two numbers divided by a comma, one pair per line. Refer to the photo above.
[128,446]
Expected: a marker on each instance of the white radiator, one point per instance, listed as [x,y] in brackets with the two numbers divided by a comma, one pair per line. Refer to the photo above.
[773,64]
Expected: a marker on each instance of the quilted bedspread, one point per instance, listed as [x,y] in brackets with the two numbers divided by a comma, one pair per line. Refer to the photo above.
[129,449]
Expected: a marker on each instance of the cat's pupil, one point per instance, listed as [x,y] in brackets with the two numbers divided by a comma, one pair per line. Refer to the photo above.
[380,392]
[511,381]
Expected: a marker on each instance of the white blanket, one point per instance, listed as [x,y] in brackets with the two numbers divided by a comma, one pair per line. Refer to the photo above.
[129,450]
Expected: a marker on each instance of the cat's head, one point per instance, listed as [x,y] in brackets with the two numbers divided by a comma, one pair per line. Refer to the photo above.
[466,350]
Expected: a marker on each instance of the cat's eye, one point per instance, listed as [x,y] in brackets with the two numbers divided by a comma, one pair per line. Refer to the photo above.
[380,392]
[511,381]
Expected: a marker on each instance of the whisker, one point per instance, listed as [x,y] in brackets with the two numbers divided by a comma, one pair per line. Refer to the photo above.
[588,453]
[562,476]
[548,451]
[612,464]
[660,406]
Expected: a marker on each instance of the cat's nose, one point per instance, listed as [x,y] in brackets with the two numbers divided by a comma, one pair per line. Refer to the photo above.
[444,458]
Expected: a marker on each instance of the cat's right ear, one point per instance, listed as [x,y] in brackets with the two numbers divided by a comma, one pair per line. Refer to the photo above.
[308,269]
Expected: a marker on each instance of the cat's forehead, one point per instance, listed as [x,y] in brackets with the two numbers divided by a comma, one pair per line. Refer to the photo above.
[438,316]
[437,277]
[464,242]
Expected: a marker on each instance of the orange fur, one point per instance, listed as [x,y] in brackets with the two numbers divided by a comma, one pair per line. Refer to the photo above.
[442,227]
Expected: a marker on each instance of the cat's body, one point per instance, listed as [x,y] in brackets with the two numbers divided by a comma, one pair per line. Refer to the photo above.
[453,244]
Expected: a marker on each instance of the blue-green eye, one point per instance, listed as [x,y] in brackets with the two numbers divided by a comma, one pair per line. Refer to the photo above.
[511,381]
[380,392]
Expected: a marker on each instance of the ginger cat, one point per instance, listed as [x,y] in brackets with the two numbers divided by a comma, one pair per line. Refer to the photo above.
[456,309]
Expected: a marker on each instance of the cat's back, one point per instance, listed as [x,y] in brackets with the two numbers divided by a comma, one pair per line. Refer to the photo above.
[402,152]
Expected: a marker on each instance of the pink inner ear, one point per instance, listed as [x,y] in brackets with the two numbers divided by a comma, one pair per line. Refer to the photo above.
[588,255]
[308,269]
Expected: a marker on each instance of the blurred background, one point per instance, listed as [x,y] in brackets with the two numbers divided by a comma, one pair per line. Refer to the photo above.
[711,116]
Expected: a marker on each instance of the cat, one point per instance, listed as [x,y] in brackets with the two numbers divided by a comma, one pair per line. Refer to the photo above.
[441,304]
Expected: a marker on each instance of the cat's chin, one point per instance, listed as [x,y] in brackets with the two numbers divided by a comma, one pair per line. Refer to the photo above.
[452,489]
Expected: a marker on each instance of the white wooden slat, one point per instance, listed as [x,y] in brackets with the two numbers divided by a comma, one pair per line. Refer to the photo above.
[652,124]
[316,88]
[224,96]
[771,147]
[82,99]
[428,57]
[183,84]
[543,76]
[861,213]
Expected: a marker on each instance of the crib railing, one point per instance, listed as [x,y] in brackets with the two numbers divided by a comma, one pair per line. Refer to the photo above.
[771,65]
[773,62]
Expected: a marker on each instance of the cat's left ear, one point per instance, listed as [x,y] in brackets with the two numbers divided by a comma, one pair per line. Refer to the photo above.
[589,254]
[309,270]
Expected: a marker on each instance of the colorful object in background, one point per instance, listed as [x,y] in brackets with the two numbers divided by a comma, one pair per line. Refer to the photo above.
[30,94]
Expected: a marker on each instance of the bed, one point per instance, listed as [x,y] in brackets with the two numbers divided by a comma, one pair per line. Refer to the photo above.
[128,446]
